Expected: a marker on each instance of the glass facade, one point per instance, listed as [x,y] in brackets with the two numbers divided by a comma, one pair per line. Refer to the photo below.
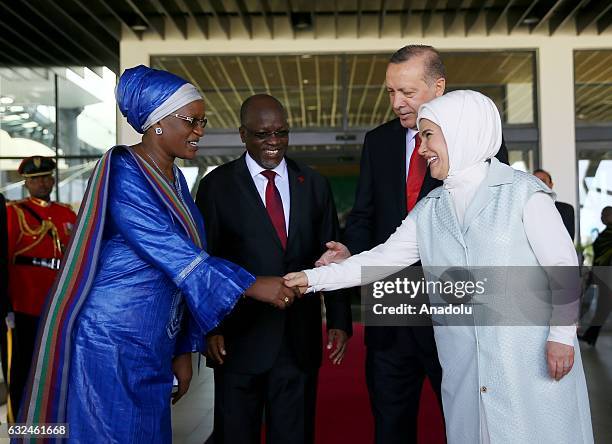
[593,92]
[68,114]
[342,96]
[347,91]
[332,100]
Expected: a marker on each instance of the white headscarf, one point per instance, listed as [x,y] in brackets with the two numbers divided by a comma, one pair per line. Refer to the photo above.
[472,129]
[181,97]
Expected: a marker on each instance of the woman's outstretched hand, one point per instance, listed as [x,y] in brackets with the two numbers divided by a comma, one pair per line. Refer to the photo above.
[297,280]
[336,253]
[272,290]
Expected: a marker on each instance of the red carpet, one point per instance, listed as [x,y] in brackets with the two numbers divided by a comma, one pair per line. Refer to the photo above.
[343,408]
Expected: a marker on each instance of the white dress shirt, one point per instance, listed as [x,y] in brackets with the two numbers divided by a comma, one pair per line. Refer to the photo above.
[281,180]
[410,146]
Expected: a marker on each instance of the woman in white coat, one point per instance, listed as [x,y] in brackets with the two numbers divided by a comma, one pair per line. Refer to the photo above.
[500,384]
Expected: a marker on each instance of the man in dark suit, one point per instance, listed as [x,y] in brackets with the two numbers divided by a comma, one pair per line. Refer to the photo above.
[393,177]
[4,300]
[270,215]
[565,210]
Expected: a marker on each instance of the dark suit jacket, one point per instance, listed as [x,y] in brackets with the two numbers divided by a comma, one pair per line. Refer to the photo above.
[567,215]
[4,299]
[239,229]
[3,249]
[380,200]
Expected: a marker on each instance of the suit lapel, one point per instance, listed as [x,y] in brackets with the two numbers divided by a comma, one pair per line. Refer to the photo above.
[399,165]
[297,193]
[249,191]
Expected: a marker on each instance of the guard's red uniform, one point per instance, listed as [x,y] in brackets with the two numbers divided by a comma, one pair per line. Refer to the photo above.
[38,233]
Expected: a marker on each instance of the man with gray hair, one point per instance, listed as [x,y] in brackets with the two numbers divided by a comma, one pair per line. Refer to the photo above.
[392,179]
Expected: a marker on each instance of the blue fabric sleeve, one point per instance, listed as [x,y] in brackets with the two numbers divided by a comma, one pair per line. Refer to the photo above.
[211,286]
[190,339]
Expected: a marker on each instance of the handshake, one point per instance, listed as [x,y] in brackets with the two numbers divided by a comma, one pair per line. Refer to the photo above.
[281,292]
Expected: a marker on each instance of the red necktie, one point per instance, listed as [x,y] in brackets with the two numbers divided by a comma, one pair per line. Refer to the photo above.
[274,205]
[416,175]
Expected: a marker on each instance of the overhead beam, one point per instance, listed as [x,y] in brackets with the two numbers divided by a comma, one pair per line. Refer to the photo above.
[494,14]
[112,27]
[603,23]
[564,14]
[471,16]
[13,60]
[47,55]
[117,15]
[289,11]
[358,21]
[221,16]
[268,18]
[51,23]
[196,13]
[313,18]
[381,17]
[33,61]
[430,8]
[516,16]
[26,23]
[588,16]
[450,14]
[92,35]
[245,17]
[405,16]
[171,10]
[545,10]
[336,17]
[155,24]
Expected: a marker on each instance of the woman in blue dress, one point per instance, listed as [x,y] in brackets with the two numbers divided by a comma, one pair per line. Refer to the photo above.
[138,291]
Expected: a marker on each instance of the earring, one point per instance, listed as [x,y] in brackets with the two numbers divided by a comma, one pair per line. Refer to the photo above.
[158,131]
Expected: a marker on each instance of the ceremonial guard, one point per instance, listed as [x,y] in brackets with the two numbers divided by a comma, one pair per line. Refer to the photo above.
[38,233]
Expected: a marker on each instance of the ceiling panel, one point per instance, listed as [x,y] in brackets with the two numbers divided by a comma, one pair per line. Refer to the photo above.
[87,33]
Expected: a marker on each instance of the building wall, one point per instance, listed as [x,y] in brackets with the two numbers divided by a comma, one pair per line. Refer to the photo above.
[554,69]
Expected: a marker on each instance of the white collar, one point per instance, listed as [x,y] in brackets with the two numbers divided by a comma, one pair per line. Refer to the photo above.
[255,168]
[411,134]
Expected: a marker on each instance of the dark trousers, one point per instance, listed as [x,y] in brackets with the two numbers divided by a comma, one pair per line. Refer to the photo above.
[23,338]
[395,376]
[286,393]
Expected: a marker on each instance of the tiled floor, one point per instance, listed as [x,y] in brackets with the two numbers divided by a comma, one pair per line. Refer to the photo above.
[192,416]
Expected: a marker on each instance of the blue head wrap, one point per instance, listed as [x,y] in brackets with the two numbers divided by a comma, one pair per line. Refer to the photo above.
[142,90]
